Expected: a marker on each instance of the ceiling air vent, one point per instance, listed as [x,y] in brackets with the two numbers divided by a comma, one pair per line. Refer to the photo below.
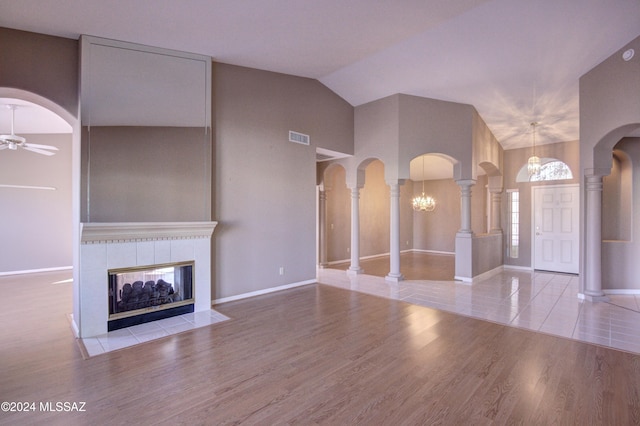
[298,138]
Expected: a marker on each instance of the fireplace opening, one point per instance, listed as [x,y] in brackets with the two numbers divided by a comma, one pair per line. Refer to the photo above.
[149,293]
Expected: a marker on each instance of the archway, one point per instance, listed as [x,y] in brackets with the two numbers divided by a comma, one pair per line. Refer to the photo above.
[74,123]
[594,261]
[333,216]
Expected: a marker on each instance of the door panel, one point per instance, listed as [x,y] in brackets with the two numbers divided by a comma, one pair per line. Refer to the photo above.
[555,222]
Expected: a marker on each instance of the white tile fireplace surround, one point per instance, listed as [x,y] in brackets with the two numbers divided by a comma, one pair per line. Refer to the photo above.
[106,246]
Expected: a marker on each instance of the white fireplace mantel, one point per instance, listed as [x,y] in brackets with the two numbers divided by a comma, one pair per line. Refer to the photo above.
[106,246]
[94,232]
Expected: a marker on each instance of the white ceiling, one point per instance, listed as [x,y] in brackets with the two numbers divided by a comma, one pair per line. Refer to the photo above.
[30,118]
[516,61]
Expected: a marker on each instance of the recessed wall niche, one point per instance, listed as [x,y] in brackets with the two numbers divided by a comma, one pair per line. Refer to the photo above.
[617,196]
[146,133]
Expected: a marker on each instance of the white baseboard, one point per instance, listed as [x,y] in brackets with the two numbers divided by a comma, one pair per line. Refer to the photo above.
[518,268]
[622,291]
[489,273]
[35,271]
[373,256]
[74,326]
[261,292]
[483,276]
[433,252]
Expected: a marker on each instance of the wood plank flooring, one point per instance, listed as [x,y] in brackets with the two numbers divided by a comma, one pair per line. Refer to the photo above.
[311,355]
[413,266]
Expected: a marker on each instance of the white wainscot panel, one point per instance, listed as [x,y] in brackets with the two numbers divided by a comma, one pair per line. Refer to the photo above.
[145,253]
[182,250]
[162,251]
[121,255]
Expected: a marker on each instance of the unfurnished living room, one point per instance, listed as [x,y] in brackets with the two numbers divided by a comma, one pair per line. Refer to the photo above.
[292,212]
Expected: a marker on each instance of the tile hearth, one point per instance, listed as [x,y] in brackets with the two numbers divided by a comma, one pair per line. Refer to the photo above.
[125,337]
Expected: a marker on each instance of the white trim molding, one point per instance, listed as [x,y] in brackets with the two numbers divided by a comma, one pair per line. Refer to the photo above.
[622,291]
[95,232]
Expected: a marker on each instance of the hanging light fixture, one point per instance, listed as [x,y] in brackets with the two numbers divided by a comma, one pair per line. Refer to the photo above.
[423,203]
[534,164]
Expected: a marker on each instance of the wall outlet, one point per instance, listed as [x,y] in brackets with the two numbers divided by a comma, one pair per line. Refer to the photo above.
[282,270]
[348,249]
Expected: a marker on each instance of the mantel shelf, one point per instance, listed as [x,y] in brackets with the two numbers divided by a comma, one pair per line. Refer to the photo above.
[93,232]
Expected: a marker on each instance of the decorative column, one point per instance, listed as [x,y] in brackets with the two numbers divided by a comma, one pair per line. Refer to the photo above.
[394,235]
[465,205]
[593,239]
[355,232]
[496,197]
[464,237]
[322,228]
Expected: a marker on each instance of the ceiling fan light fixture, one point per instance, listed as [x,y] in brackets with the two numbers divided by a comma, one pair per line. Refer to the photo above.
[14,141]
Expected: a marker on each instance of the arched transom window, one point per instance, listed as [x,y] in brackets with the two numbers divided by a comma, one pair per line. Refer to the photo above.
[552,169]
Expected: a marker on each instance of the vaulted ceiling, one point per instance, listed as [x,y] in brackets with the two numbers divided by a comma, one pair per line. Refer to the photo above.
[516,61]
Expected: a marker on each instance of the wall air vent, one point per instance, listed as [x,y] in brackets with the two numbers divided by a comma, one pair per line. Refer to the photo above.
[298,138]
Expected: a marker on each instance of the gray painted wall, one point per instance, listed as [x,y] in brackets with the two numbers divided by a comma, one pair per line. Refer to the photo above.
[45,65]
[609,106]
[610,111]
[265,186]
[35,224]
[145,174]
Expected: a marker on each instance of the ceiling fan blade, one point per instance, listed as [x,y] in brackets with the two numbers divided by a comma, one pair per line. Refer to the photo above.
[38,150]
[36,145]
[4,146]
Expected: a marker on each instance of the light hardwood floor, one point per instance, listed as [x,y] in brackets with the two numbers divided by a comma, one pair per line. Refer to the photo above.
[313,354]
[414,266]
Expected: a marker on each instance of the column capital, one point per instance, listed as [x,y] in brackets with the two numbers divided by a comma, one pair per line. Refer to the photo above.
[594,183]
[466,182]
[395,182]
[593,172]
[394,190]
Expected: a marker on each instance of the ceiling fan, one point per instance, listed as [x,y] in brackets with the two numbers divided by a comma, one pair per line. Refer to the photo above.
[14,141]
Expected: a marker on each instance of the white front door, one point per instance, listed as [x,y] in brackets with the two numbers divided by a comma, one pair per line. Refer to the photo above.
[556,238]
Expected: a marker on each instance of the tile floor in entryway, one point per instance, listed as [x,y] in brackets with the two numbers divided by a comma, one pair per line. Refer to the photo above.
[539,301]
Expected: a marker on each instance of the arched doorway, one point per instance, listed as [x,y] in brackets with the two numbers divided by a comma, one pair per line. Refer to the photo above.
[74,161]
[35,190]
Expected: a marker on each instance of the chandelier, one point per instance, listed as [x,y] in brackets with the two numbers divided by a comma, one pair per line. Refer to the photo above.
[534,164]
[423,203]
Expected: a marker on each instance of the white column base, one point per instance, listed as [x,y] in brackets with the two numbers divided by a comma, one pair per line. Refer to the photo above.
[394,277]
[591,297]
